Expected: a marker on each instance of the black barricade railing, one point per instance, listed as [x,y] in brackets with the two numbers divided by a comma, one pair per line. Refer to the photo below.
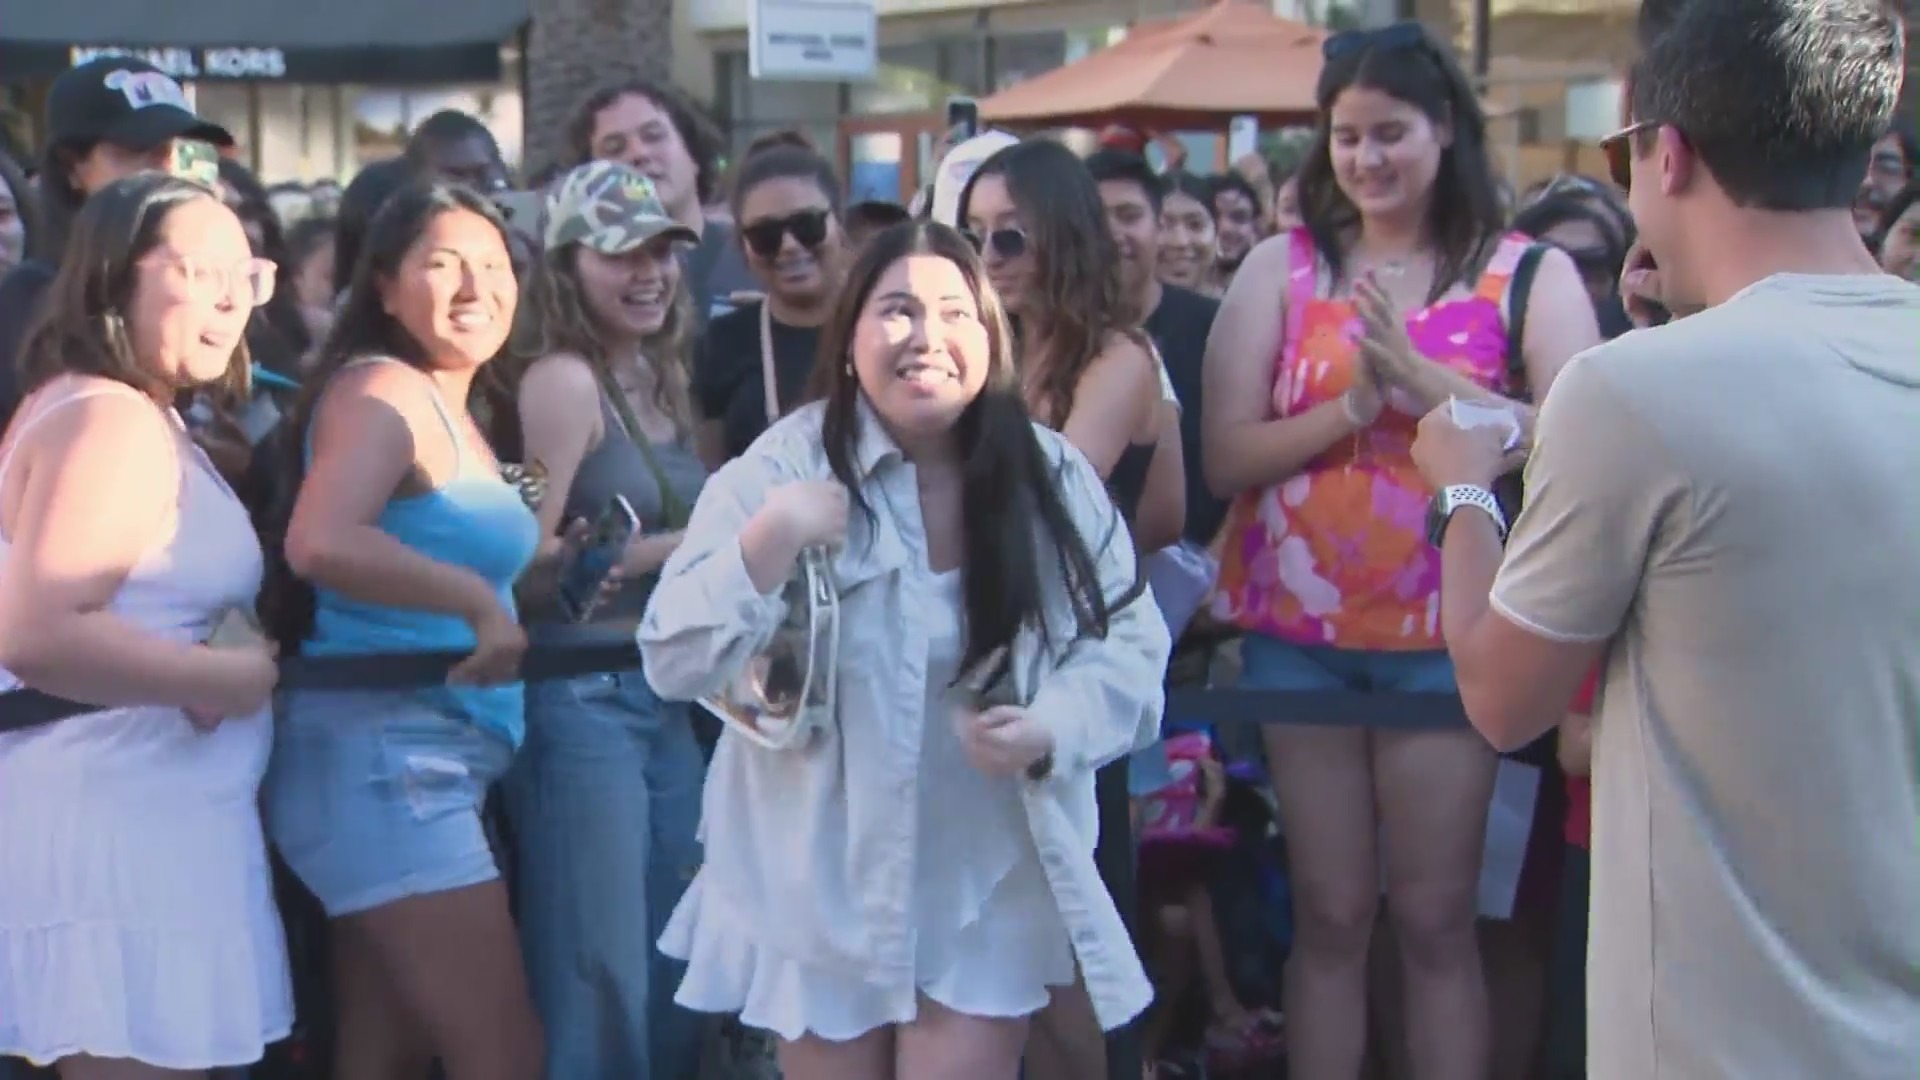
[567,651]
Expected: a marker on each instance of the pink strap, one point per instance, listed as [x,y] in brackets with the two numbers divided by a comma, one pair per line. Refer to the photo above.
[1303,276]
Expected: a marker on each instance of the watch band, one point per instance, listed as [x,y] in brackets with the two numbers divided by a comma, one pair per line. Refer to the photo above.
[1456,496]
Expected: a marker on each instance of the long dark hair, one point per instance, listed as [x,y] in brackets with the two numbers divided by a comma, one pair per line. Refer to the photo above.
[1464,213]
[364,328]
[1076,263]
[82,326]
[1008,484]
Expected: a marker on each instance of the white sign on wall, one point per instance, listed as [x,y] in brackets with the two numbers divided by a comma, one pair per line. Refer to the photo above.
[829,40]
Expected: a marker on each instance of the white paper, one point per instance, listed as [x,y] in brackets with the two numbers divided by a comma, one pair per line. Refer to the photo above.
[1478,414]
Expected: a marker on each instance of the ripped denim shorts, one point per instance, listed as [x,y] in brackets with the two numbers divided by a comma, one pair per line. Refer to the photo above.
[375,797]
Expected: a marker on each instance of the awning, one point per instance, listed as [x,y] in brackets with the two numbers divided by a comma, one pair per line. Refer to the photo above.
[380,42]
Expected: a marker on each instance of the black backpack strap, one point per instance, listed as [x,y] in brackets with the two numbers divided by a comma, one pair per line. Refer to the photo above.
[1519,287]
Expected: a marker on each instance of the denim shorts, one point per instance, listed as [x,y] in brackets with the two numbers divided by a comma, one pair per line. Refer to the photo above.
[375,797]
[1268,663]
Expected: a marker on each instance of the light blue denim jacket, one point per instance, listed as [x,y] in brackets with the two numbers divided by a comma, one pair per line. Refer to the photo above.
[809,852]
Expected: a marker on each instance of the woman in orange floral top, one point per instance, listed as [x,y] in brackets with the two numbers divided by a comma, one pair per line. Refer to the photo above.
[1314,380]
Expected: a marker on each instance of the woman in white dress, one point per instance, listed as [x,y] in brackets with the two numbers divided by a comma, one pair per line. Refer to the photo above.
[138,935]
[896,898]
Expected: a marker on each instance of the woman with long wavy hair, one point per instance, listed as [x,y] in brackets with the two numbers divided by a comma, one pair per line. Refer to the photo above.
[605,795]
[1089,372]
[403,536]
[896,898]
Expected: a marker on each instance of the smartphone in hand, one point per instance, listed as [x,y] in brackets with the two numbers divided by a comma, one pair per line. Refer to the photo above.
[586,570]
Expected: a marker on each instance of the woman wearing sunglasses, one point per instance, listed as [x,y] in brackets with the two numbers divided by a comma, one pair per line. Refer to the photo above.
[1088,372]
[1394,297]
[754,361]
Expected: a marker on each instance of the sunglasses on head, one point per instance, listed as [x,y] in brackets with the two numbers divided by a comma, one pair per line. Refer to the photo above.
[1005,243]
[808,229]
[1619,150]
[1400,35]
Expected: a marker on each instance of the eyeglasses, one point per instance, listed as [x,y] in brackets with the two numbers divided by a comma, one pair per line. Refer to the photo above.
[1619,150]
[808,229]
[1400,35]
[1004,243]
[251,279]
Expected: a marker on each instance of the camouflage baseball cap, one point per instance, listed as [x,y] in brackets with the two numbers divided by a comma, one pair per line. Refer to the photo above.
[611,208]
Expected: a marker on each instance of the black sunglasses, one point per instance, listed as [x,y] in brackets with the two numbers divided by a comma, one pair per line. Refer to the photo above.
[1619,150]
[808,229]
[1400,35]
[1005,243]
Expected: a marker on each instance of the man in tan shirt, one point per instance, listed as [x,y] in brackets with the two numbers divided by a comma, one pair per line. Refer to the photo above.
[1725,511]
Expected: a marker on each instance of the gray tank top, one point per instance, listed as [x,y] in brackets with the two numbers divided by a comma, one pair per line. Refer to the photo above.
[617,467]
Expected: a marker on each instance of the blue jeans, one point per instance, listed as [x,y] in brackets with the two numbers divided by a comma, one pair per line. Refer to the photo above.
[1271,664]
[605,802]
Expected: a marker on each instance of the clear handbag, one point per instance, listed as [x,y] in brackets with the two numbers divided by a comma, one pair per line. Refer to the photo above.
[784,695]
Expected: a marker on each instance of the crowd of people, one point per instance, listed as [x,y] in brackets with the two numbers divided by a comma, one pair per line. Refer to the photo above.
[1058,434]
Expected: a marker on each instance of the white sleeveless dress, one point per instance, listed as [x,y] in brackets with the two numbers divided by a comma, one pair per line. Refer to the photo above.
[137,917]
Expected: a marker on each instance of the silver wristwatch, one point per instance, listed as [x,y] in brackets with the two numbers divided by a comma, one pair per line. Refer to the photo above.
[1452,498]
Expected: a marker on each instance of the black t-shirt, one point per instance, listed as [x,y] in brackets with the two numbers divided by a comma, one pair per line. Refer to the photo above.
[1179,327]
[727,381]
[20,294]
[715,269]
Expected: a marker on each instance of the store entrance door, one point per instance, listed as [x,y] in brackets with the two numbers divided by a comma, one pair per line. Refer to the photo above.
[888,158]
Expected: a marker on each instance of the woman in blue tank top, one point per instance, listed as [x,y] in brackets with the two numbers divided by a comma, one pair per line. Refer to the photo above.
[410,541]
[605,797]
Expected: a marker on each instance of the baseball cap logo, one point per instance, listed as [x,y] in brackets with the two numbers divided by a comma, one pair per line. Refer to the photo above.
[146,88]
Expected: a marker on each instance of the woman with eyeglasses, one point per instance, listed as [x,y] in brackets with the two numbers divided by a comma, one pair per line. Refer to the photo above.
[1393,299]
[138,933]
[1593,237]
[403,536]
[898,897]
[605,795]
[753,362]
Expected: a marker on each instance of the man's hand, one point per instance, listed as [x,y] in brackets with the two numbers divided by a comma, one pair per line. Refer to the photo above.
[1448,454]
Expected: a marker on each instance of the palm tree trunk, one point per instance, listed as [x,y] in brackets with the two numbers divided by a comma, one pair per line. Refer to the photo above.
[576,46]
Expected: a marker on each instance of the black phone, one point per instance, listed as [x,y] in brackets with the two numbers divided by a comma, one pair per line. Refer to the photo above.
[587,569]
[963,115]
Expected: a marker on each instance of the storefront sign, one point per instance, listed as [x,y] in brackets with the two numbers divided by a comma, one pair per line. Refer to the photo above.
[813,40]
[190,65]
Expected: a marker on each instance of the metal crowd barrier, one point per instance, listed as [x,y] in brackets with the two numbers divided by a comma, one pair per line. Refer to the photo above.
[562,652]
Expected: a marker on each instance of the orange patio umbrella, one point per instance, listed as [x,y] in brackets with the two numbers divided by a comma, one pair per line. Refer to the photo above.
[1195,72]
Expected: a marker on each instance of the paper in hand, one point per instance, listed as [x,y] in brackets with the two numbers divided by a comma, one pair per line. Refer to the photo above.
[1479,414]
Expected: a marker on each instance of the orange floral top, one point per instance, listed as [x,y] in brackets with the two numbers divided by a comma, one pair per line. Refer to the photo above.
[1337,554]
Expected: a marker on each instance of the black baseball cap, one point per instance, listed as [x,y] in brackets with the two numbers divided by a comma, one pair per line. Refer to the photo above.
[125,101]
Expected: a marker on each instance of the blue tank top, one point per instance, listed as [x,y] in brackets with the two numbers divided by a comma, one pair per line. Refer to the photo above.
[475,520]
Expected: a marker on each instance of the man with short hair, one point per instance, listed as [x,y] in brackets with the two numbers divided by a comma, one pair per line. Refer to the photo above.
[1178,320]
[1722,512]
[456,147]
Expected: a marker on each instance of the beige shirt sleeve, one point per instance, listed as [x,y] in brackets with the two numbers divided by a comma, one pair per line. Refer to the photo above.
[1602,492]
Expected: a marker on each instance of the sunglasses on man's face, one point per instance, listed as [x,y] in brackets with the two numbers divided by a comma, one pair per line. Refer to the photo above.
[765,237]
[1004,243]
[1619,150]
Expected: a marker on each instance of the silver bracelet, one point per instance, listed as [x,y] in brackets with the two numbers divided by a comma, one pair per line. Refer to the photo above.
[1352,413]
